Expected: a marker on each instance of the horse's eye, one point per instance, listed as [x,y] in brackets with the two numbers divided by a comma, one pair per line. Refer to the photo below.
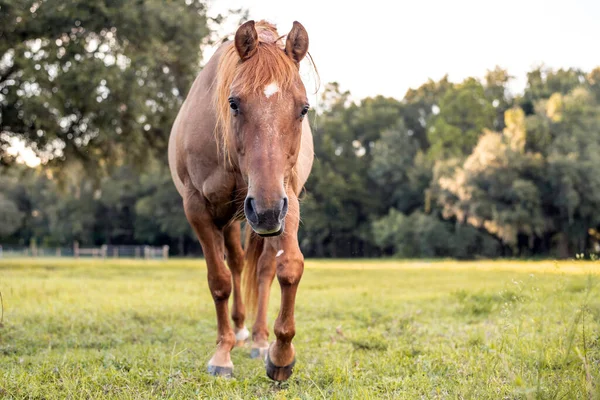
[234,105]
[305,110]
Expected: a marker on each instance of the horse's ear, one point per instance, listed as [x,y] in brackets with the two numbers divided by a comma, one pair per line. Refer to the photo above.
[246,40]
[296,45]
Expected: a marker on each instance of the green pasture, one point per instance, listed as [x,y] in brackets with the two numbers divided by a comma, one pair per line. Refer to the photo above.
[365,329]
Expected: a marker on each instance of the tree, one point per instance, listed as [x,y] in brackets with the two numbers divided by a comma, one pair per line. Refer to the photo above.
[496,90]
[341,197]
[421,105]
[10,216]
[544,82]
[95,83]
[533,191]
[426,235]
[594,80]
[400,169]
[488,190]
[159,215]
[124,208]
[464,111]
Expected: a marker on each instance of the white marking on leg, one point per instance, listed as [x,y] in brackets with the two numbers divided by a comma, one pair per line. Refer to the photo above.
[271,89]
[242,334]
[280,252]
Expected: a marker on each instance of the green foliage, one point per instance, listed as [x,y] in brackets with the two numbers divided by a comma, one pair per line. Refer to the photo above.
[159,211]
[420,105]
[544,82]
[497,92]
[339,187]
[400,169]
[452,170]
[425,235]
[10,216]
[95,83]
[539,188]
[464,112]
[125,208]
[372,157]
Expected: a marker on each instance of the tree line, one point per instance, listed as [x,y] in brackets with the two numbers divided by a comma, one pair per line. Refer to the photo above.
[454,169]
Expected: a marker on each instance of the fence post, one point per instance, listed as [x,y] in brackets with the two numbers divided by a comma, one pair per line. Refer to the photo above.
[33,245]
[58,252]
[147,252]
[137,252]
[76,249]
[116,252]
[104,250]
[165,252]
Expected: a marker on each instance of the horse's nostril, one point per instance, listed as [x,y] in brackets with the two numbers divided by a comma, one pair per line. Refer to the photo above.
[284,208]
[250,210]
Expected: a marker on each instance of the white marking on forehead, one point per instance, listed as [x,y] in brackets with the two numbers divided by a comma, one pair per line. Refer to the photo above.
[271,89]
[280,252]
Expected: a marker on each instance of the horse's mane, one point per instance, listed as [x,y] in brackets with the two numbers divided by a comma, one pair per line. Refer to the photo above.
[268,64]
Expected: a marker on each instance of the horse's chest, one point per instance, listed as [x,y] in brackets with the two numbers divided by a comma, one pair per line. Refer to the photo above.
[225,197]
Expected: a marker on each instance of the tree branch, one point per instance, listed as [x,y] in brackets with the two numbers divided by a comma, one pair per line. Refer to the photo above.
[8,73]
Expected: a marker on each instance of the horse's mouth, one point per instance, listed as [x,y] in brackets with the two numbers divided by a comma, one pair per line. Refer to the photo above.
[269,233]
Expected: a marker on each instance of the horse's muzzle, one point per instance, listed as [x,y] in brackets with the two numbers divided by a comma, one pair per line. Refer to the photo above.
[266,222]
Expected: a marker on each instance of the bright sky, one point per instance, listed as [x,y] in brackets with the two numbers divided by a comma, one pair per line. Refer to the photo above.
[385,46]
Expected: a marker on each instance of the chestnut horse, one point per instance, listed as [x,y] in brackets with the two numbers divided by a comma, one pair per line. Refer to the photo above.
[241,146]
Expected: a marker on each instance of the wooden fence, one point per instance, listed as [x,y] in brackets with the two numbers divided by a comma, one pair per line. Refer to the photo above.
[104,251]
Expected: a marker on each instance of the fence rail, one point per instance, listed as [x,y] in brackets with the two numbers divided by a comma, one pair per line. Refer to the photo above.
[104,251]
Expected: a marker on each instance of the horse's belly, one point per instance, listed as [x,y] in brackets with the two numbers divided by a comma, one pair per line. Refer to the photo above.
[172,157]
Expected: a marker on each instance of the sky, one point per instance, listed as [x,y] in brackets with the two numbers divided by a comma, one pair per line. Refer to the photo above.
[386,47]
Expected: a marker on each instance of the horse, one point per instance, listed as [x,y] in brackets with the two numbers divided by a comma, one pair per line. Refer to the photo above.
[241,148]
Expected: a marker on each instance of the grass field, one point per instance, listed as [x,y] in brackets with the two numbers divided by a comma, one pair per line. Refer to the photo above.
[365,329]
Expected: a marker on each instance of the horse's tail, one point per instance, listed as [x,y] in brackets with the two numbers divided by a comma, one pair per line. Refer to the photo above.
[253,247]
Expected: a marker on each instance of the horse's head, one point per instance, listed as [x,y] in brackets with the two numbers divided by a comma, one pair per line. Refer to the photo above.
[267,103]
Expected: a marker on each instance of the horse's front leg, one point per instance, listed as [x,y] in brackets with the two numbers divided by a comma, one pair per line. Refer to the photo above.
[219,281]
[235,260]
[290,265]
[265,275]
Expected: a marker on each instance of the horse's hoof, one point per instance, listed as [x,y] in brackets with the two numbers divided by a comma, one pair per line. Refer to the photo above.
[225,372]
[241,337]
[259,352]
[279,374]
